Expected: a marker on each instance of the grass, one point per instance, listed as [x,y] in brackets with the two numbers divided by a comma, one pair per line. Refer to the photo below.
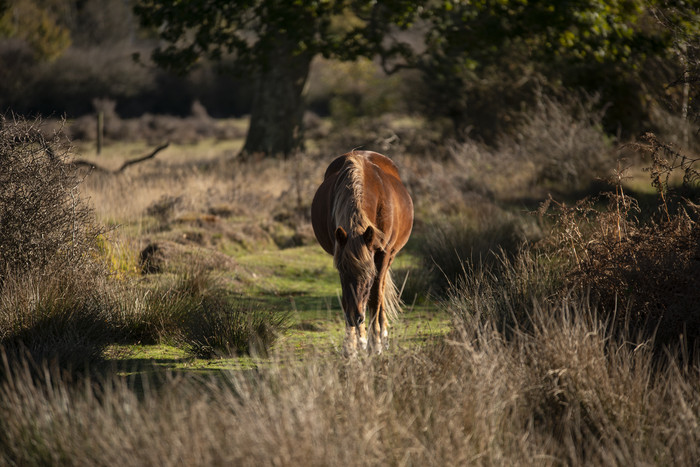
[300,281]
[301,271]
[513,366]
[549,397]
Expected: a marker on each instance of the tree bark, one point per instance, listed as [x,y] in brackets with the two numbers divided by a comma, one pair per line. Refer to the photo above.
[276,117]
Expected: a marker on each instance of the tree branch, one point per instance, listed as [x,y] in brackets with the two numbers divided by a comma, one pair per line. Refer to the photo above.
[98,168]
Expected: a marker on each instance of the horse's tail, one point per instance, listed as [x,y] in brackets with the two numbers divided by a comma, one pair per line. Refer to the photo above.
[392,301]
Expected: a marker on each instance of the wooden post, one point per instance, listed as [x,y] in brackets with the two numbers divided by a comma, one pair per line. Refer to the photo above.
[684,106]
[100,130]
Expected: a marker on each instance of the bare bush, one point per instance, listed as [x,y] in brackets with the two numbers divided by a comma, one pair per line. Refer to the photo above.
[43,219]
[51,277]
[643,268]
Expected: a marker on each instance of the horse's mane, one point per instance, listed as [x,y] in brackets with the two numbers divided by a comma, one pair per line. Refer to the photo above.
[349,191]
[347,211]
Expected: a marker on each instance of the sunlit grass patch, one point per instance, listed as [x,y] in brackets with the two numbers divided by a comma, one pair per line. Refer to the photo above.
[304,270]
[136,359]
[121,255]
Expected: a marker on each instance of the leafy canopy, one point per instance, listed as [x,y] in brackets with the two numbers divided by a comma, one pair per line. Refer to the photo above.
[250,29]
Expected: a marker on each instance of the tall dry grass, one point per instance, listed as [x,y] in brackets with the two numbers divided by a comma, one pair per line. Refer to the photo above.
[565,392]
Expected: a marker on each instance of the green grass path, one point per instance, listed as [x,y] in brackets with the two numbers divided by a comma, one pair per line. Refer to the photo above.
[300,281]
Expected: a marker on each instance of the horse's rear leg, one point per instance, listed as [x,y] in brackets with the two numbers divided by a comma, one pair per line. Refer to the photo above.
[378,332]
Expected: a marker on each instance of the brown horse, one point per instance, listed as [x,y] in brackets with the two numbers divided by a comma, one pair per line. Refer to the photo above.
[363,215]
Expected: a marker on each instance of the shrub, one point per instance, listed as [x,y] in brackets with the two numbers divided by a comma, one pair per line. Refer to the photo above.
[43,219]
[51,300]
[642,266]
[199,314]
[564,140]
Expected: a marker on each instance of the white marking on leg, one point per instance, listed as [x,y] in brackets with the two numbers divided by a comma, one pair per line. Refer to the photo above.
[363,343]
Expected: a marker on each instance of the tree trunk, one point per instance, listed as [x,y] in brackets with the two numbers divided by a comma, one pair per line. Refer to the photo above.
[277,112]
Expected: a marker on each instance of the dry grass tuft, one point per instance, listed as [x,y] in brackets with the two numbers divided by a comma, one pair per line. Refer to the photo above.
[59,315]
[197,312]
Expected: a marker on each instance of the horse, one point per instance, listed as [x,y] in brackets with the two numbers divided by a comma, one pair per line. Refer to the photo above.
[362,214]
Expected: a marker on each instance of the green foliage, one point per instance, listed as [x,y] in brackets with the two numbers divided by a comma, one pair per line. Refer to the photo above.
[34,22]
[252,30]
[602,46]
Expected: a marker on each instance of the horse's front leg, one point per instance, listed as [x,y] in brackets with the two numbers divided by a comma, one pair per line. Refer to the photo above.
[377,315]
[383,316]
[355,339]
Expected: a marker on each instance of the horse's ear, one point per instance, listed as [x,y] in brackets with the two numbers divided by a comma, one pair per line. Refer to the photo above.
[368,236]
[341,236]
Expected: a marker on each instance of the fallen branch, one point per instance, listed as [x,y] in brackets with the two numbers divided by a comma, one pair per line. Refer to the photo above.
[98,168]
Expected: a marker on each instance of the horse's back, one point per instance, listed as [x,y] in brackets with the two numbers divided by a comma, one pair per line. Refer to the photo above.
[385,164]
[395,213]
[336,166]
[390,187]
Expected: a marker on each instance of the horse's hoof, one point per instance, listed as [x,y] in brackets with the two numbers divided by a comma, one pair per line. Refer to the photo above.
[363,343]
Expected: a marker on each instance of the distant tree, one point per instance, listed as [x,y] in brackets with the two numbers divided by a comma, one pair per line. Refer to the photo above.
[273,42]
[462,48]
[682,21]
[34,22]
[597,45]
[31,34]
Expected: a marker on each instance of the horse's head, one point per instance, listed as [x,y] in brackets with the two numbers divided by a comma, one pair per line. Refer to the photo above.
[354,258]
